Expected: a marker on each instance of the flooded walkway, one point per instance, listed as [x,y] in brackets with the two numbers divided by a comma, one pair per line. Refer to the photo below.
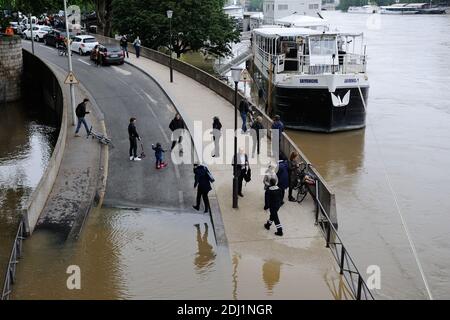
[296,266]
[130,254]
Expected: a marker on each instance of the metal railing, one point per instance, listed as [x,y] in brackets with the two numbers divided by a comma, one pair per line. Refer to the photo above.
[16,253]
[347,268]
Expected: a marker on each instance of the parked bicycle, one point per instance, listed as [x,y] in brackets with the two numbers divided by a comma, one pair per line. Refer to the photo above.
[304,181]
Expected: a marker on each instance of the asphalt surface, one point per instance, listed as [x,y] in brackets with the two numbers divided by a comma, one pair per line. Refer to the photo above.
[122,92]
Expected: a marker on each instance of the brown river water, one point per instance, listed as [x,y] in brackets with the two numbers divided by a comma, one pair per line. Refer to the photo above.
[406,143]
[157,254]
[27,137]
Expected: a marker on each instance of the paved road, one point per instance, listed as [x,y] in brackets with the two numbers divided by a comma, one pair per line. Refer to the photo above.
[122,92]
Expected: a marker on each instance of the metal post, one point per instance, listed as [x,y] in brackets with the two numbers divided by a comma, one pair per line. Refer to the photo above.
[317,203]
[342,260]
[358,293]
[328,233]
[235,178]
[31,34]
[171,51]
[69,55]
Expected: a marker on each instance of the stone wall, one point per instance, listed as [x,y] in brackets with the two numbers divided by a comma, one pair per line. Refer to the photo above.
[11,68]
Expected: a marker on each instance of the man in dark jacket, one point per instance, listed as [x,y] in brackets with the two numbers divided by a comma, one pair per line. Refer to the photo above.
[124,45]
[277,126]
[203,184]
[134,136]
[274,201]
[243,109]
[283,178]
[81,113]
[256,135]
[177,126]
[242,167]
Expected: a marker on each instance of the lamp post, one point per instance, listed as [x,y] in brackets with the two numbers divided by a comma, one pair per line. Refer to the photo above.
[169,16]
[236,76]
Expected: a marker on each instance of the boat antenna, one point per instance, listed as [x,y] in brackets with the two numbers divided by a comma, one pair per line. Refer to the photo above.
[320,16]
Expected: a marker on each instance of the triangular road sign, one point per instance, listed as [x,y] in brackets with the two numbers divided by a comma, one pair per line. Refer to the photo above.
[71,79]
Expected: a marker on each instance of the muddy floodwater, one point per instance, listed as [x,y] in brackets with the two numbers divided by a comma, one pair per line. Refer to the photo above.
[129,254]
[396,167]
[407,144]
[27,138]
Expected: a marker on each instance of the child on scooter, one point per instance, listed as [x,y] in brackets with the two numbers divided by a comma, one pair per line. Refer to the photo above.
[159,155]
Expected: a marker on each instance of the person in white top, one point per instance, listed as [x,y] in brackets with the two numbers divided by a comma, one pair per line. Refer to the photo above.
[137,46]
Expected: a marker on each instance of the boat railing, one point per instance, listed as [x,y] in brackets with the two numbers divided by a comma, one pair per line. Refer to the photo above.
[344,63]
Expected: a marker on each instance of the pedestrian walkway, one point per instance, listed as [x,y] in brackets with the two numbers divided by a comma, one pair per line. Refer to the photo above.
[296,266]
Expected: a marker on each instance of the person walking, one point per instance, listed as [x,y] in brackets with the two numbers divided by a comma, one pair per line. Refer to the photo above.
[124,45]
[275,200]
[294,162]
[256,135]
[81,113]
[242,167]
[217,133]
[133,136]
[159,155]
[277,126]
[243,109]
[177,127]
[270,174]
[283,178]
[137,46]
[203,180]
[96,54]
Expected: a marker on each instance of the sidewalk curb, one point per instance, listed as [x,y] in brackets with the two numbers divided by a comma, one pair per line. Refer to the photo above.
[216,215]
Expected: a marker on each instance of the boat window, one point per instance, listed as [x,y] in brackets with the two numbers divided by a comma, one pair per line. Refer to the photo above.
[323,46]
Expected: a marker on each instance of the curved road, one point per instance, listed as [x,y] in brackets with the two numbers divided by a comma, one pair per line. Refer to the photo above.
[122,92]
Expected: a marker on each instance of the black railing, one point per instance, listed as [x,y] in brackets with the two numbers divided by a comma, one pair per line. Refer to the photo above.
[347,267]
[16,253]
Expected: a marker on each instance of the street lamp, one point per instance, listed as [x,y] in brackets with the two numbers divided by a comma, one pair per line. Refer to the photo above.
[236,76]
[169,16]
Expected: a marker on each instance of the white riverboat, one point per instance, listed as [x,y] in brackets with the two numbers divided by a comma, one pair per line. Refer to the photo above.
[367,9]
[315,80]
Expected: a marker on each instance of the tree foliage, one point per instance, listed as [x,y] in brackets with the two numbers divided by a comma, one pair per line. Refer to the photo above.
[196,24]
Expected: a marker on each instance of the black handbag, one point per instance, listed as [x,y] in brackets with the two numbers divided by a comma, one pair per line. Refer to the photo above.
[248,175]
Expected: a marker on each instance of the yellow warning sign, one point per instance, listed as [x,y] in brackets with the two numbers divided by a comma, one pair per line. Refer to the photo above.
[71,79]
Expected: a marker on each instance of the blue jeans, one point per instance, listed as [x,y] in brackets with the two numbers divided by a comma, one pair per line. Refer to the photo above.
[244,121]
[82,121]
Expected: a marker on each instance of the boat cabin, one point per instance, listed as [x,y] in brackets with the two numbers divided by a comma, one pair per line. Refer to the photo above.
[308,51]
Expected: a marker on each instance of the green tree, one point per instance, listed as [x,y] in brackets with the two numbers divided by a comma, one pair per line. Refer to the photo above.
[196,24]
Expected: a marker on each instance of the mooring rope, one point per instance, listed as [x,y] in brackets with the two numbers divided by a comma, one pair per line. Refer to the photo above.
[405,226]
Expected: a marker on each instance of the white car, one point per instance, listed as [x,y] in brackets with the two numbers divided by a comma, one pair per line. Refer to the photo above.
[38,33]
[84,44]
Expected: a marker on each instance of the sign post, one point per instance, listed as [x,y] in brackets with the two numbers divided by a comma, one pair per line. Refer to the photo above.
[69,55]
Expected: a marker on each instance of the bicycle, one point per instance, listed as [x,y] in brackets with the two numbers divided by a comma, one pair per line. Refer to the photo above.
[304,179]
[100,137]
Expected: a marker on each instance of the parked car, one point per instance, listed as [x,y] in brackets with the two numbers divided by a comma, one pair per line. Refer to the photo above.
[38,33]
[56,36]
[109,54]
[83,44]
